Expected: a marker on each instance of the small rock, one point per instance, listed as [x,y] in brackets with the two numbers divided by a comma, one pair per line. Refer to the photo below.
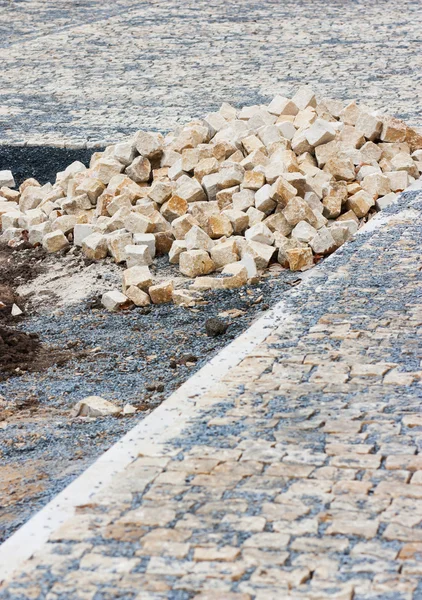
[95,406]
[215,327]
[115,300]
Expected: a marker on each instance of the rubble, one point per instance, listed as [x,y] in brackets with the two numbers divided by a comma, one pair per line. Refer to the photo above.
[223,196]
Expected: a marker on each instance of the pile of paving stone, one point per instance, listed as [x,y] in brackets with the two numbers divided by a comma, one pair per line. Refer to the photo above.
[228,194]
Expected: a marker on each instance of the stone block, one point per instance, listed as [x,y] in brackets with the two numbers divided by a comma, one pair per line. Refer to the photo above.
[230,176]
[320,132]
[149,144]
[219,226]
[174,208]
[163,242]
[190,190]
[55,241]
[139,169]
[298,210]
[334,198]
[260,253]
[139,277]
[193,263]
[376,185]
[197,239]
[304,232]
[224,253]
[82,231]
[162,292]
[263,199]
[304,97]
[341,168]
[238,219]
[398,180]
[254,215]
[95,406]
[182,225]
[260,233]
[323,242]
[177,247]
[95,246]
[116,243]
[137,223]
[253,180]
[369,125]
[282,191]
[7,179]
[280,105]
[137,296]
[244,199]
[393,130]
[360,203]
[36,233]
[386,200]
[300,259]
[137,255]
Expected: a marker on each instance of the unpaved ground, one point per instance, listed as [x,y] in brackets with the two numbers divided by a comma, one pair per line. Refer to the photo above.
[138,357]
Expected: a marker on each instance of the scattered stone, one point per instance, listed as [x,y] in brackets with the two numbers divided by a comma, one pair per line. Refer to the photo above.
[162,292]
[95,406]
[114,300]
[16,311]
[7,179]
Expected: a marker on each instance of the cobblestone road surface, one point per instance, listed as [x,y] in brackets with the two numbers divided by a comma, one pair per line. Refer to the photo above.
[299,476]
[91,70]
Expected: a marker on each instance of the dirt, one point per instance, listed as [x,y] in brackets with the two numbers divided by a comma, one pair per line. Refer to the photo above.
[20,351]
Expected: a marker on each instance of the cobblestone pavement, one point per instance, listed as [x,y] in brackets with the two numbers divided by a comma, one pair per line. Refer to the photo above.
[73,72]
[298,476]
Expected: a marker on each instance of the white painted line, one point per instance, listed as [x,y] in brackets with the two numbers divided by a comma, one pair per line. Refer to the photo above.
[148,437]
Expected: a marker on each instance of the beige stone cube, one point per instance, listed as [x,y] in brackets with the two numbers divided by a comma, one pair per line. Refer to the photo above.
[174,208]
[260,233]
[300,259]
[116,244]
[244,199]
[137,223]
[137,255]
[139,170]
[161,293]
[369,125]
[139,277]
[298,210]
[182,225]
[238,219]
[193,263]
[253,180]
[341,168]
[334,198]
[149,144]
[197,239]
[224,198]
[393,130]
[376,185]
[399,180]
[254,215]
[95,246]
[219,226]
[224,253]
[282,191]
[137,296]
[177,247]
[360,203]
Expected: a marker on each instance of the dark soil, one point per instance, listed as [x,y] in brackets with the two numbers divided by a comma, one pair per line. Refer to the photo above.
[40,162]
[20,351]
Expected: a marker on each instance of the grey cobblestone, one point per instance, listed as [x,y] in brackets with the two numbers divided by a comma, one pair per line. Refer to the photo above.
[300,475]
[87,72]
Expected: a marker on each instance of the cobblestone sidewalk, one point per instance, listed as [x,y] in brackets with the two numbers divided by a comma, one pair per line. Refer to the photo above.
[299,476]
[91,71]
